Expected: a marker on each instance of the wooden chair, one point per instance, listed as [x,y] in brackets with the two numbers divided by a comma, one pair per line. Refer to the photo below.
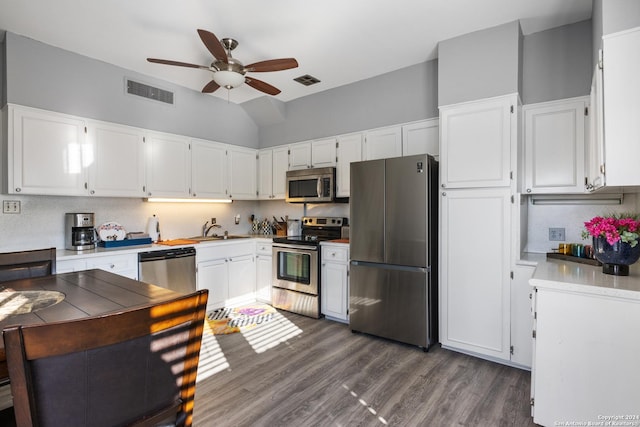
[25,264]
[135,367]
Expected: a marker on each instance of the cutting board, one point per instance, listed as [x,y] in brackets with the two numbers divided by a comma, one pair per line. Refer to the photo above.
[178,242]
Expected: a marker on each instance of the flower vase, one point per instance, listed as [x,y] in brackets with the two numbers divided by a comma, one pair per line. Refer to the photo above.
[615,258]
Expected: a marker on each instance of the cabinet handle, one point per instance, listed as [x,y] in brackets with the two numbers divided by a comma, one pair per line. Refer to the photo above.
[18,190]
[92,192]
[444,193]
[333,254]
[443,185]
[528,190]
[112,266]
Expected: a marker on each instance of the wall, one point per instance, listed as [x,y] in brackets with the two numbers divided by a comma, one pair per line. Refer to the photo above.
[43,76]
[569,217]
[401,96]
[479,65]
[3,81]
[557,63]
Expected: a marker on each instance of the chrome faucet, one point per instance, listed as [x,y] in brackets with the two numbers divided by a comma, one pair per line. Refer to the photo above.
[205,229]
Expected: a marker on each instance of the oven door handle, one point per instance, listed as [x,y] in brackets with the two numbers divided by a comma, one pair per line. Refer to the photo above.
[305,248]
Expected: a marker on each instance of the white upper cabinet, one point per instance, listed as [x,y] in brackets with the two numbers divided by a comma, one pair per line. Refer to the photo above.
[272,168]
[117,163]
[349,150]
[621,67]
[47,153]
[323,153]
[300,155]
[554,140]
[208,170]
[383,143]
[241,174]
[421,138]
[595,146]
[168,165]
[476,142]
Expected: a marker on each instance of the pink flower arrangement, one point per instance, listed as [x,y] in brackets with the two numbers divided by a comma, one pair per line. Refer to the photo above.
[614,228]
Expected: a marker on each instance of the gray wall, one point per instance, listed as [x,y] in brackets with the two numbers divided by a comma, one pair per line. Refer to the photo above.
[611,16]
[557,63]
[3,81]
[401,96]
[43,76]
[479,65]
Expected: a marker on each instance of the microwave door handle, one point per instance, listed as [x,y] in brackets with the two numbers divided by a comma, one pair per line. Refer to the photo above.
[319,187]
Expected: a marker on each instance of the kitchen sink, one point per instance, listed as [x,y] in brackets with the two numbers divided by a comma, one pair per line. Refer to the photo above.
[210,238]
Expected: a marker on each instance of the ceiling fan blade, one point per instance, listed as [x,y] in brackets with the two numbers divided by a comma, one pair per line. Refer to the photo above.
[272,65]
[213,44]
[178,63]
[210,87]
[262,86]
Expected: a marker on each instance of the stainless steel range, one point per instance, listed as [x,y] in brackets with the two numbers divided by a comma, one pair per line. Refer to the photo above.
[296,261]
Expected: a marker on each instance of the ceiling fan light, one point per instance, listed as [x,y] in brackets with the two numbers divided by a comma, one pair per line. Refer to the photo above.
[228,79]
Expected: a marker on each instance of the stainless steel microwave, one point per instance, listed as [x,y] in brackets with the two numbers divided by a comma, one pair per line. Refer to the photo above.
[311,185]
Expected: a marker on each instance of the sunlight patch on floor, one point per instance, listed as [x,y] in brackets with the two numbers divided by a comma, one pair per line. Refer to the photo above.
[272,333]
[365,404]
[212,359]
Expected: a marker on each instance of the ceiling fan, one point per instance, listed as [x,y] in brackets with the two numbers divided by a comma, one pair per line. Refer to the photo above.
[228,72]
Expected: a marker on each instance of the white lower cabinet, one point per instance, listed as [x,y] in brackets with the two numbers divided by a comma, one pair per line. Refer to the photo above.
[521,316]
[228,271]
[475,271]
[334,291]
[124,264]
[586,358]
[264,270]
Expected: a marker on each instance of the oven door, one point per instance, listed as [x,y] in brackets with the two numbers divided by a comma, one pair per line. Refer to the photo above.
[295,267]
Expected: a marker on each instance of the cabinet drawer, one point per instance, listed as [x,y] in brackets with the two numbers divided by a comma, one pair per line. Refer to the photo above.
[335,253]
[264,248]
[113,263]
[70,265]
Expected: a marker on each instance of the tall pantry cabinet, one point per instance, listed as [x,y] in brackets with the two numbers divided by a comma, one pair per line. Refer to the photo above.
[478,161]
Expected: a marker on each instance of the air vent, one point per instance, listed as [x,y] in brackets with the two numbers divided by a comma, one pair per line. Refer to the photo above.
[307,80]
[150,92]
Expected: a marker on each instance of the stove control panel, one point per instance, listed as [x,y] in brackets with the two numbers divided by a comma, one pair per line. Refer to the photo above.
[312,221]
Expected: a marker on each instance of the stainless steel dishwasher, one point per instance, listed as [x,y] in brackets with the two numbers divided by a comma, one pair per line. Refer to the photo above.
[173,269]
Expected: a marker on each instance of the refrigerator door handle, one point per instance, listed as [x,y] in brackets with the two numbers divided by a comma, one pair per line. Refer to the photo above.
[426,269]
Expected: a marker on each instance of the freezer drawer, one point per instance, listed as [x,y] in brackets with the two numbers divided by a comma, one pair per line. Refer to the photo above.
[391,302]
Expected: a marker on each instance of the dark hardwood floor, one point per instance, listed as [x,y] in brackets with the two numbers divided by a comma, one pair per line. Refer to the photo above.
[297,371]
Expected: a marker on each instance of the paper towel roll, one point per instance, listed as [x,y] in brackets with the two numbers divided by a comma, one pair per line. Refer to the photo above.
[153,228]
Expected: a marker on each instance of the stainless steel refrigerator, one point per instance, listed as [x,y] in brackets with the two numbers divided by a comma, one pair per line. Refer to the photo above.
[393,249]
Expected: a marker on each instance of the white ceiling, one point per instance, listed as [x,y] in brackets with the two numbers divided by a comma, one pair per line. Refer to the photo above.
[337,41]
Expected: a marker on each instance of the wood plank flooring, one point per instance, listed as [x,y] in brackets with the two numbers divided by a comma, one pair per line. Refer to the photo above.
[297,371]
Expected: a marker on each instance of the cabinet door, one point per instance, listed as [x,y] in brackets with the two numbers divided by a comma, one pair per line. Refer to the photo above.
[475,144]
[47,153]
[264,269]
[323,153]
[168,165]
[383,143]
[242,279]
[212,275]
[208,170]
[595,151]
[421,138]
[300,155]
[265,174]
[475,271]
[554,140]
[334,295]
[621,68]
[280,163]
[349,150]
[117,166]
[242,164]
[521,316]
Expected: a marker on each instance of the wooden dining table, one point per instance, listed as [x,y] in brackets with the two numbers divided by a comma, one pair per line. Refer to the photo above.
[84,293]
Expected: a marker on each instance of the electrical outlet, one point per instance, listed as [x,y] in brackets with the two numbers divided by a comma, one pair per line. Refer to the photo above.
[11,206]
[556,234]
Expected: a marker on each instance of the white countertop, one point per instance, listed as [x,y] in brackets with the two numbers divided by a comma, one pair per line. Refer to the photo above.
[64,254]
[583,278]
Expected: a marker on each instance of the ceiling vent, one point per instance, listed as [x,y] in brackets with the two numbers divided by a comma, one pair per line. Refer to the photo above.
[307,80]
[150,92]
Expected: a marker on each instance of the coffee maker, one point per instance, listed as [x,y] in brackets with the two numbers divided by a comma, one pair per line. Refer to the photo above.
[80,232]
